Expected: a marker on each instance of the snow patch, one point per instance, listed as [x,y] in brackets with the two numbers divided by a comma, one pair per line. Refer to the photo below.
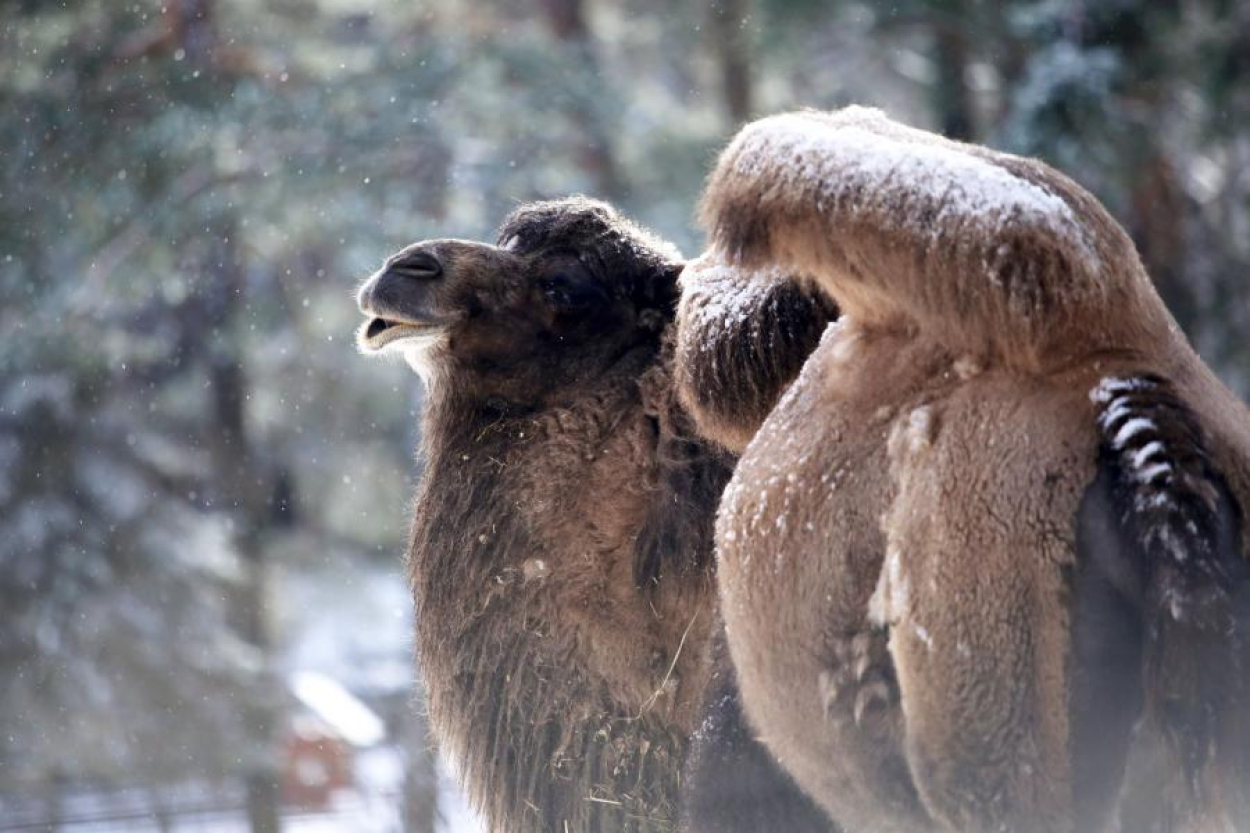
[920,429]
[845,341]
[1143,455]
[1149,473]
[923,634]
[535,568]
[329,700]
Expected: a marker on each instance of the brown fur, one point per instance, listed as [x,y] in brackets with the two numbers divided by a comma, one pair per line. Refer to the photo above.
[927,596]
[763,329]
[731,782]
[563,526]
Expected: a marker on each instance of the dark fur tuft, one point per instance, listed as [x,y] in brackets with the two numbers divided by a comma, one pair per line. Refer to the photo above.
[645,265]
[733,367]
[1178,558]
[731,782]
[690,478]
[557,470]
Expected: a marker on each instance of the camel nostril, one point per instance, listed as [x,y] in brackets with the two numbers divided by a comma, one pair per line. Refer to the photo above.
[419,265]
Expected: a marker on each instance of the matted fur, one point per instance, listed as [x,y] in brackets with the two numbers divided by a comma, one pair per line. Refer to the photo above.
[1023,280]
[925,552]
[562,533]
[753,334]
[555,683]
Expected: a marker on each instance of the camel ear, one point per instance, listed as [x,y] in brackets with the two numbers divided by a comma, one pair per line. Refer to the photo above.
[660,291]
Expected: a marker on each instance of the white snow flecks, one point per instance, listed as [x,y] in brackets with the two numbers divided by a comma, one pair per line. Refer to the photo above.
[844,162]
[892,594]
[533,569]
[966,367]
[1130,429]
[720,297]
[923,635]
[912,436]
[1143,455]
[1113,387]
[1166,538]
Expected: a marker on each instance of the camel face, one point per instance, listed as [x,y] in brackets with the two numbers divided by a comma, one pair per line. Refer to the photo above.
[558,300]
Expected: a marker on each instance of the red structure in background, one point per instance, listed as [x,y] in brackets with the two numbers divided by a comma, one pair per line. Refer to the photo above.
[316,763]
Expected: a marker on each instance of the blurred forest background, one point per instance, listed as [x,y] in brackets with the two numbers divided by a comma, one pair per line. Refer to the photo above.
[203,618]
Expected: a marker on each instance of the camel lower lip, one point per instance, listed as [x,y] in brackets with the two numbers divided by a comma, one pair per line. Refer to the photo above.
[380,332]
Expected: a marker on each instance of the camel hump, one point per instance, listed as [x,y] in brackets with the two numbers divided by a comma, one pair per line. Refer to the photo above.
[1171,543]
[987,251]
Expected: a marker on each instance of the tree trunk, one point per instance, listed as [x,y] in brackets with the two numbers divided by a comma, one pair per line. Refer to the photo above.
[53,810]
[245,485]
[1159,210]
[263,799]
[567,21]
[951,97]
[731,44]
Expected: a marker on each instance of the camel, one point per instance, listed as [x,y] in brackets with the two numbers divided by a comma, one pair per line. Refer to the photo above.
[992,537]
[561,541]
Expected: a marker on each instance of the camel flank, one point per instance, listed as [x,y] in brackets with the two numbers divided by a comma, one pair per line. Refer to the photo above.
[562,534]
[997,518]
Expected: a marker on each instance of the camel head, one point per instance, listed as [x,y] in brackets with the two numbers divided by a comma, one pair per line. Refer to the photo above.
[569,289]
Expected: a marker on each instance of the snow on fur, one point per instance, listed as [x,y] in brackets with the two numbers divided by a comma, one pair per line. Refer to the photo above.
[721,296]
[844,162]
[1165,471]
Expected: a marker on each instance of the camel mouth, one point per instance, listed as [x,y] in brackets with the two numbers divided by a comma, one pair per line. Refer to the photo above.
[378,333]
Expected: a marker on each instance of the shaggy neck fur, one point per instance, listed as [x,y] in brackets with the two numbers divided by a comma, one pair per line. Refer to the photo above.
[560,563]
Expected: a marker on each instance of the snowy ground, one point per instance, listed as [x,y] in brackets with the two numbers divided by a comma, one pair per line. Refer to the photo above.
[457,817]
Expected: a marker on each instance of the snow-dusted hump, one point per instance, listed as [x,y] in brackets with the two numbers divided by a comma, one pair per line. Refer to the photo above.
[986,251]
[742,337]
[719,297]
[852,163]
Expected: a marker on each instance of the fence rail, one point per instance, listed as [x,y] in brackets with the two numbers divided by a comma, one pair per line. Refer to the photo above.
[103,812]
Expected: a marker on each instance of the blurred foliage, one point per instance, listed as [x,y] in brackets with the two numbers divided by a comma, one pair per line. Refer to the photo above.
[190,188]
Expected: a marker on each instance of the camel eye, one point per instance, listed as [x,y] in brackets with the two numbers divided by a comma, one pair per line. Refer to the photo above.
[569,293]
